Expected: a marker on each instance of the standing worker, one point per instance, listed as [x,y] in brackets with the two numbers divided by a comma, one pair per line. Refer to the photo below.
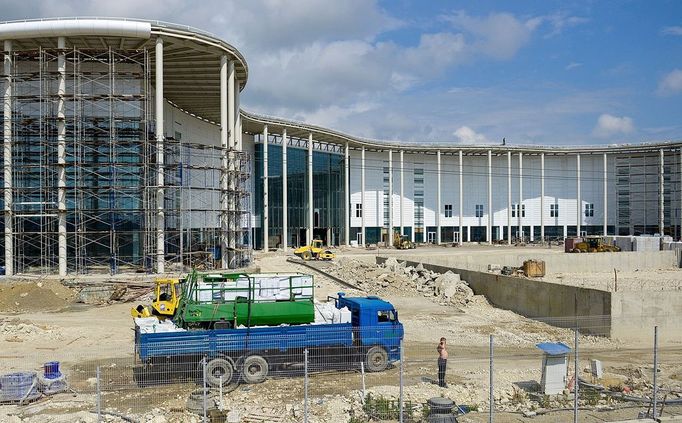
[442,362]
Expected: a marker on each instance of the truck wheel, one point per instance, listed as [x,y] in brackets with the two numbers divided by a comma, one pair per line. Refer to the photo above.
[216,368]
[306,255]
[376,359]
[254,369]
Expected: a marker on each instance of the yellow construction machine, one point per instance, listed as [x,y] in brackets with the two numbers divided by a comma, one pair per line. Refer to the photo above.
[594,244]
[315,251]
[167,298]
[402,242]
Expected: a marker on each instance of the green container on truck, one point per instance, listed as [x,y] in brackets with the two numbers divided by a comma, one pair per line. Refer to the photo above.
[229,300]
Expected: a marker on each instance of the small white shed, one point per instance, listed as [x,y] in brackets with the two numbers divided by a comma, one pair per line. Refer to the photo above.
[554,367]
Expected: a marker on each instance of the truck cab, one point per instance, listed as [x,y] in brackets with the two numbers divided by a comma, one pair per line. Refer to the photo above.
[375,323]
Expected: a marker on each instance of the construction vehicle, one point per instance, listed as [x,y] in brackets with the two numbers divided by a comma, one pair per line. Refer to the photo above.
[167,295]
[223,300]
[402,242]
[594,244]
[314,251]
[372,335]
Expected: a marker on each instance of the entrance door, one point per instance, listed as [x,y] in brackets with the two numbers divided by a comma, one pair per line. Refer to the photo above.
[431,237]
[455,237]
[359,238]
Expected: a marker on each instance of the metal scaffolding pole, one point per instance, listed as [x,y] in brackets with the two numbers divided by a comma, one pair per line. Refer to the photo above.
[61,153]
[311,222]
[7,160]
[266,206]
[346,183]
[285,205]
[160,216]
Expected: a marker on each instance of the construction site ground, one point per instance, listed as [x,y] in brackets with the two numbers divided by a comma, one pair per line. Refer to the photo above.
[41,321]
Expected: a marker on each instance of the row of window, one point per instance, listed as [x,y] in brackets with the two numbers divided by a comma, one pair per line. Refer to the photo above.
[553,210]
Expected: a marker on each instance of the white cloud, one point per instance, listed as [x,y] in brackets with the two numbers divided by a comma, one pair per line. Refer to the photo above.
[561,21]
[573,65]
[609,125]
[670,84]
[498,35]
[672,30]
[466,135]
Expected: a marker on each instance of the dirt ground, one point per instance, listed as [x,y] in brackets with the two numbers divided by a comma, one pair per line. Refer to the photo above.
[47,324]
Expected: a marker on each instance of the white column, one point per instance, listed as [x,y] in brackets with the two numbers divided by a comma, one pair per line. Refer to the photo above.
[61,153]
[362,195]
[232,134]
[461,198]
[489,230]
[237,117]
[661,192]
[285,203]
[389,233]
[7,160]
[578,196]
[542,197]
[224,148]
[311,219]
[348,209]
[266,207]
[509,197]
[402,192]
[160,217]
[606,197]
[438,198]
[520,207]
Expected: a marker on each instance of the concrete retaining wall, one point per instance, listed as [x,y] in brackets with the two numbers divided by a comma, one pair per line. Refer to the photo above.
[556,262]
[628,316]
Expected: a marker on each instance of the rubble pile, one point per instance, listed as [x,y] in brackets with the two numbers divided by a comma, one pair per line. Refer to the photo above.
[396,276]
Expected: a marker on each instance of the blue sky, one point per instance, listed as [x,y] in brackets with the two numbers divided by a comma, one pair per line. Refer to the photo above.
[535,72]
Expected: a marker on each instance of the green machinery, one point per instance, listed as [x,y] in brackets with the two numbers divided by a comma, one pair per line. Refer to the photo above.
[227,300]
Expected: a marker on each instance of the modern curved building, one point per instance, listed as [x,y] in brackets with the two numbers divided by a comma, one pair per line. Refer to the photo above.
[124,147]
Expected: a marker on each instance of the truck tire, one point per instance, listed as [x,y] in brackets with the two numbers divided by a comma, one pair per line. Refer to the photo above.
[306,255]
[219,367]
[255,369]
[376,359]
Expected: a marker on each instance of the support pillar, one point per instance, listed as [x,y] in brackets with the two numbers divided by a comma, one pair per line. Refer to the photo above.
[311,218]
[606,197]
[389,233]
[237,116]
[509,197]
[489,229]
[285,202]
[438,198]
[579,207]
[461,198]
[542,197]
[520,206]
[266,206]
[661,194]
[362,195]
[61,154]
[224,152]
[346,181]
[231,97]
[7,161]
[402,193]
[158,110]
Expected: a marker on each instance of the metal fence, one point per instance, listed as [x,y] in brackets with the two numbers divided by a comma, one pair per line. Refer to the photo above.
[496,382]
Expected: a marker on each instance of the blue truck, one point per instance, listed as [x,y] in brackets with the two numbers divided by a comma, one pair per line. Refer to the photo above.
[249,355]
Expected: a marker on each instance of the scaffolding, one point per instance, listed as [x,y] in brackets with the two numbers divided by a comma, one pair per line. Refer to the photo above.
[84,167]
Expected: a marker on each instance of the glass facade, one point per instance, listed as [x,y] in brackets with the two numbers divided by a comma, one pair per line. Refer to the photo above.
[328,203]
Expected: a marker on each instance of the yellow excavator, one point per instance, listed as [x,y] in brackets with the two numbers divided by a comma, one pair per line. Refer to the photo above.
[166,300]
[316,250]
[594,244]
[402,242]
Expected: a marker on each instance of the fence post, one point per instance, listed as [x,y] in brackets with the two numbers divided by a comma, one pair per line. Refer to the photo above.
[305,386]
[576,380]
[221,405]
[99,397]
[362,372]
[402,359]
[203,368]
[492,395]
[655,416]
